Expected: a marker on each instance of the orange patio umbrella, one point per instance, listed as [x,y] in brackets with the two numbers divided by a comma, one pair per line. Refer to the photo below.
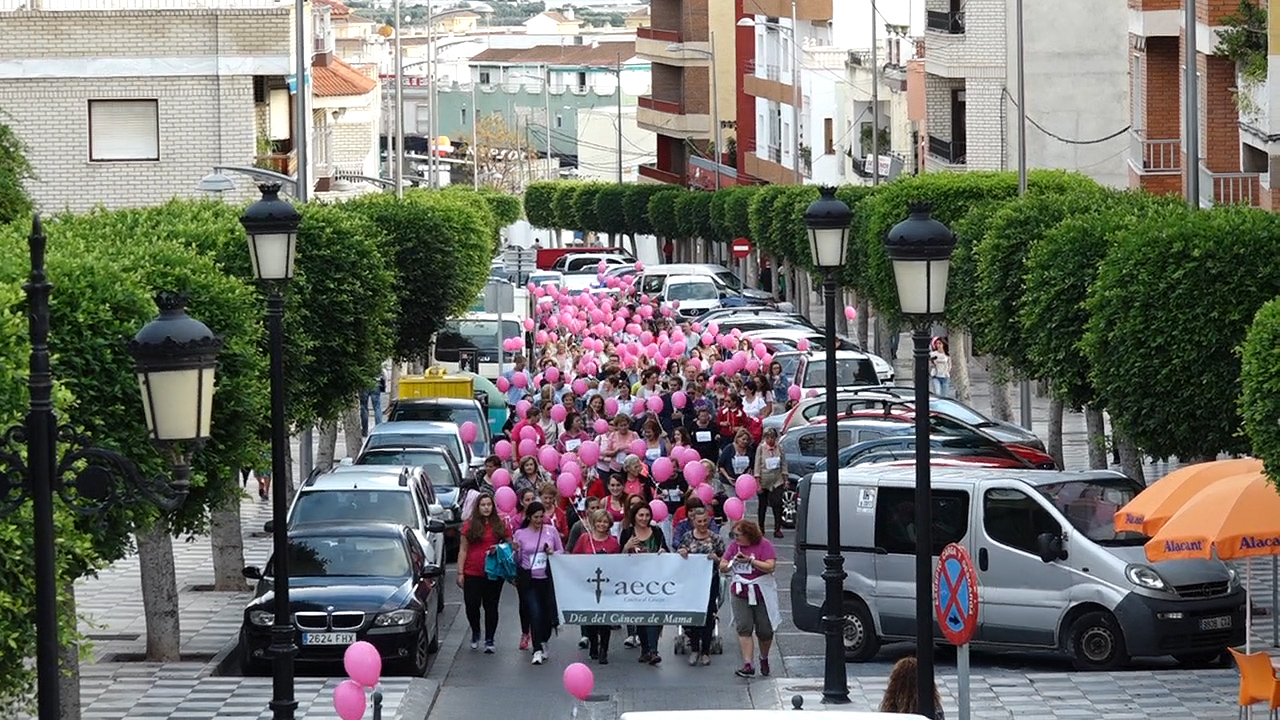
[1148,512]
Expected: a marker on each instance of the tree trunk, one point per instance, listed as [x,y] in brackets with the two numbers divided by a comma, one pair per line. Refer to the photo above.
[842,321]
[328,443]
[290,489]
[351,426]
[159,593]
[1096,437]
[394,388]
[1001,390]
[226,536]
[1054,441]
[864,313]
[961,382]
[69,661]
[1130,458]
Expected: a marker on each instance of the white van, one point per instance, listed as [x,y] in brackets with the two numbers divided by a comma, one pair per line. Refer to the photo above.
[476,331]
[1053,572]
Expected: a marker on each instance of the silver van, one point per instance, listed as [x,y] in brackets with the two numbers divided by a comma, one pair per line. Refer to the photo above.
[1053,572]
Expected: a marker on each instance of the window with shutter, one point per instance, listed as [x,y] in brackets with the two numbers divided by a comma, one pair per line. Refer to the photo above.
[124,130]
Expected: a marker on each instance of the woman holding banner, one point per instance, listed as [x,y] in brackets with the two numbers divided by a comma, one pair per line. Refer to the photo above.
[534,542]
[702,540]
[599,541]
[642,536]
[750,560]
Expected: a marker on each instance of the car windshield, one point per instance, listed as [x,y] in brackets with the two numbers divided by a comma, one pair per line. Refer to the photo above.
[456,414]
[957,410]
[1091,505]
[691,291]
[436,465]
[849,371]
[349,556]
[729,279]
[474,334]
[393,506]
[449,441]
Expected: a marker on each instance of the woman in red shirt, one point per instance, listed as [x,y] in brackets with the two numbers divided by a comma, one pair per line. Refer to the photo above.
[556,516]
[480,533]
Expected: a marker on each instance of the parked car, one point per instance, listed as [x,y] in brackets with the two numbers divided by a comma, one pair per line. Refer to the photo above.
[1005,432]
[902,447]
[655,276]
[763,312]
[442,472]
[1055,574]
[853,369]
[370,493]
[348,583]
[447,410]
[944,425]
[578,262]
[690,295]
[418,433]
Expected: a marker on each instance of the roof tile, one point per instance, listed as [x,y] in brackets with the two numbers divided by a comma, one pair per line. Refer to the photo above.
[338,79]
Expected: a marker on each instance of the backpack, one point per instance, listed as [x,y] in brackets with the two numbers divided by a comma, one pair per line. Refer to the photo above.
[500,563]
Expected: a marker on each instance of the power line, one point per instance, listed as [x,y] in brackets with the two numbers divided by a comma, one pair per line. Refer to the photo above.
[1059,138]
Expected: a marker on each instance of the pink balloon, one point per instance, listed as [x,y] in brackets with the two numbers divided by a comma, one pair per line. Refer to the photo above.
[813,393]
[745,487]
[760,350]
[803,345]
[718,367]
[528,433]
[638,447]
[363,663]
[521,380]
[502,449]
[707,339]
[637,408]
[601,426]
[501,477]
[677,457]
[552,374]
[695,473]
[579,386]
[578,680]
[793,392]
[505,498]
[659,510]
[611,406]
[569,465]
[850,312]
[567,484]
[468,431]
[549,458]
[558,413]
[639,267]
[662,470]
[705,493]
[679,399]
[522,408]
[733,508]
[503,384]
[349,700]
[528,324]
[655,404]
[589,451]
[527,447]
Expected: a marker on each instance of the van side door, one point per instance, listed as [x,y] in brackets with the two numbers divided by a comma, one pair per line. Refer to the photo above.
[1023,598]
[895,540]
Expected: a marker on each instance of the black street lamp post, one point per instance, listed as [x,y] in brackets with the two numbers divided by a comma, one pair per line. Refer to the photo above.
[919,249]
[272,227]
[827,220]
[175,358]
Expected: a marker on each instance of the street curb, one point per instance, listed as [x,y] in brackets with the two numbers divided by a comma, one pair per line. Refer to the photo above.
[428,689]
[225,662]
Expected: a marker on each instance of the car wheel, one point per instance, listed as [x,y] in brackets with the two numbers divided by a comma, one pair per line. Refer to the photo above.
[790,507]
[1200,660]
[1097,642]
[433,646]
[860,640]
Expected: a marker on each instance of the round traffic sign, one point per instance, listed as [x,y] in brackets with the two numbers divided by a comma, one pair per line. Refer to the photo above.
[741,248]
[955,594]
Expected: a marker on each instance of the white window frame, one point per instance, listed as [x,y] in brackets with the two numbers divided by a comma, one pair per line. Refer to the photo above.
[133,132]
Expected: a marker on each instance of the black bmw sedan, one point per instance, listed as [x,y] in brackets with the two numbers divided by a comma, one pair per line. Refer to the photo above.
[368,582]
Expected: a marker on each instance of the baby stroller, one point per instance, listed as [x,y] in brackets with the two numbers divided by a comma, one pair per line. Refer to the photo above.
[682,642]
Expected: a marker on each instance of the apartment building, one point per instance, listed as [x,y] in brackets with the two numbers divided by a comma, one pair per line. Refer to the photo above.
[1076,81]
[687,43]
[1235,127]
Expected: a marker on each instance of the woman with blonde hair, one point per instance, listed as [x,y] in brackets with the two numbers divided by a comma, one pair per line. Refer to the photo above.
[902,696]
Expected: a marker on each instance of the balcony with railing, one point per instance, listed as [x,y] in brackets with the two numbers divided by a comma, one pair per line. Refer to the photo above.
[1229,188]
[670,107]
[109,5]
[659,34]
[945,22]
[281,162]
[1154,157]
[949,152]
[322,36]
[651,171]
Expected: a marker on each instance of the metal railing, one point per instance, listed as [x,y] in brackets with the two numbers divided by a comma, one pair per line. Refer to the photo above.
[663,106]
[323,40]
[766,71]
[945,22]
[1234,188]
[108,5]
[952,152]
[1154,157]
[286,163]
[659,34]
[775,154]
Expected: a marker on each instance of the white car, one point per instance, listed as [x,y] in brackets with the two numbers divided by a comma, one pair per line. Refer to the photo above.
[695,294]
[416,433]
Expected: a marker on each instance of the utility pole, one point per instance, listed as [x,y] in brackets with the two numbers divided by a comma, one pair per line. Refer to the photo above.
[1191,101]
[397,157]
[302,189]
[475,161]
[717,133]
[619,89]
[875,100]
[1024,389]
[795,97]
[546,106]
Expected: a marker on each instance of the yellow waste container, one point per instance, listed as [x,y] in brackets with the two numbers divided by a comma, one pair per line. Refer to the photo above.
[436,382]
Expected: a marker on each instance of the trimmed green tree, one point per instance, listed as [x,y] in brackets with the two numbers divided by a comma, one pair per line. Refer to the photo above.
[539,203]
[1260,387]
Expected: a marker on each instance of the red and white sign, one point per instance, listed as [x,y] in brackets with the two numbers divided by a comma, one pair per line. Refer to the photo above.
[406,81]
[955,594]
[741,248]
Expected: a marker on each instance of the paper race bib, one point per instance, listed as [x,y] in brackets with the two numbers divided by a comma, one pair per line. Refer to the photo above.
[673,495]
[620,457]
[539,562]
[772,463]
[742,567]
[702,436]
[572,445]
[652,454]
[740,463]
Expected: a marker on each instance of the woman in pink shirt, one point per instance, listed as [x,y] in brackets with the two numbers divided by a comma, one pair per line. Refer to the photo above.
[534,543]
[616,444]
[750,561]
[598,541]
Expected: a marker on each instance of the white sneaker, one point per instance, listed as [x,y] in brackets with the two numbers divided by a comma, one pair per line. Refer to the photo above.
[631,641]
[583,643]
[538,657]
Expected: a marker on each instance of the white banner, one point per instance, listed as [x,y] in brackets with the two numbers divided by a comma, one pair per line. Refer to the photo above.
[663,589]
